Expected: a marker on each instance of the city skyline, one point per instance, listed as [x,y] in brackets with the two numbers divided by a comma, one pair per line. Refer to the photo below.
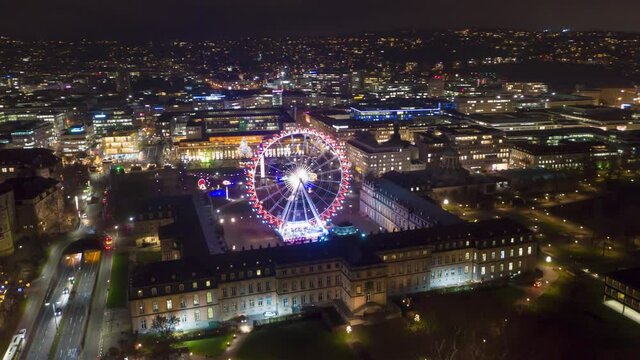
[194,20]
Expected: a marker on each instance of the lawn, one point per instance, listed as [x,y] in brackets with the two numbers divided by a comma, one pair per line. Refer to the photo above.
[567,322]
[306,339]
[148,256]
[117,296]
[211,347]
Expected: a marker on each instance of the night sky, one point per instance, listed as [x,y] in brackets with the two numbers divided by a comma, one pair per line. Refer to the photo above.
[202,19]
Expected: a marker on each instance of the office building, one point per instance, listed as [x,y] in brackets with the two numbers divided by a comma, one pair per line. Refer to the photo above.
[368,157]
[484,104]
[109,119]
[606,118]
[120,145]
[525,88]
[478,148]
[564,156]
[75,140]
[622,292]
[396,109]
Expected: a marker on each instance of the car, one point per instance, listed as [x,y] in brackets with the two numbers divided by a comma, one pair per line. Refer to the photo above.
[537,283]
[22,333]
[65,291]
[268,314]
[58,312]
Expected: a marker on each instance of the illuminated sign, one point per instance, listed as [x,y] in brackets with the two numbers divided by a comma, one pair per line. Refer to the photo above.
[76,130]
[202,184]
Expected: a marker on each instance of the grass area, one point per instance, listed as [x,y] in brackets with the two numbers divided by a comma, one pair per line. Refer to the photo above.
[117,296]
[568,321]
[148,256]
[211,347]
[308,339]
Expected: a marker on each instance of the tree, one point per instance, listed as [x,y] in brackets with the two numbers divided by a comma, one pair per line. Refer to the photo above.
[163,328]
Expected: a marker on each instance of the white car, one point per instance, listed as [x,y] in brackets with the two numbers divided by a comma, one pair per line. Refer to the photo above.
[268,314]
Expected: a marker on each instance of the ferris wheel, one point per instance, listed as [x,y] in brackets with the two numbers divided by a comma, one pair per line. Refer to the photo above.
[298,180]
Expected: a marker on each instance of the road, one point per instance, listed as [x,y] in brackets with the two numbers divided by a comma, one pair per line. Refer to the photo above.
[38,319]
[93,335]
[39,340]
[76,310]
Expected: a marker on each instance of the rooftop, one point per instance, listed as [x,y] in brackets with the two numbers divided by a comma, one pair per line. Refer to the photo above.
[582,147]
[630,277]
[413,202]
[31,187]
[355,251]
[37,157]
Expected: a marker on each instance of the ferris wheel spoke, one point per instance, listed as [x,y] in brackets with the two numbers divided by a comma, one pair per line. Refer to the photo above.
[278,192]
[327,190]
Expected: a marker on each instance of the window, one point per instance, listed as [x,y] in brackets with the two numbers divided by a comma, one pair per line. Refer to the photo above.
[183,317]
[466,269]
[501,254]
[510,266]
[169,304]
[209,297]
[140,308]
[358,289]
[181,287]
[252,302]
[224,292]
[482,270]
[520,251]
[196,299]
[250,288]
[258,272]
[208,283]
[285,302]
[196,315]
[143,324]
[267,286]
[183,302]
[210,313]
[466,256]
[167,289]
[268,300]
[233,291]
[528,250]
[154,291]
[260,301]
[139,293]
[484,257]
[154,306]
[194,285]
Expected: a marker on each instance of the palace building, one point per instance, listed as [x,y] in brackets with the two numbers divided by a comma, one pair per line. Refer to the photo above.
[355,273]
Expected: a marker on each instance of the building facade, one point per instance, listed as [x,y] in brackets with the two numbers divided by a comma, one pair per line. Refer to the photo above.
[393,208]
[349,273]
[7,219]
[478,148]
[565,156]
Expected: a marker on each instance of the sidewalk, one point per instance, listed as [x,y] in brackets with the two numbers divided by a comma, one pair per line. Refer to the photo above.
[116,327]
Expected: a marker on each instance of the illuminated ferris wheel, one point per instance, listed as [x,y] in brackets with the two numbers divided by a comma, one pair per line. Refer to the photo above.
[298,180]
